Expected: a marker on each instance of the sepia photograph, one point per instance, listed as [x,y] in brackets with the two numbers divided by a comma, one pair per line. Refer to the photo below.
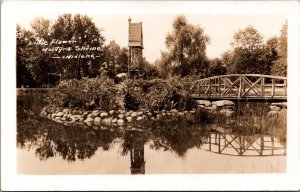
[123,92]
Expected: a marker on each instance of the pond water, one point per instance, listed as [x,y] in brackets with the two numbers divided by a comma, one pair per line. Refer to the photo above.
[45,147]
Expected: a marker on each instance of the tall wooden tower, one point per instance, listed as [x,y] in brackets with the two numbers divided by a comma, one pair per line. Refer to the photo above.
[135,44]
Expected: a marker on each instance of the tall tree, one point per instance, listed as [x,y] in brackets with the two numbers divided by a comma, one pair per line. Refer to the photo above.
[83,33]
[40,63]
[116,59]
[280,65]
[270,55]
[247,45]
[24,77]
[187,47]
[250,54]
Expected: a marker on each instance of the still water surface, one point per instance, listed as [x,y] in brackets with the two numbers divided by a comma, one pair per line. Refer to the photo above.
[45,147]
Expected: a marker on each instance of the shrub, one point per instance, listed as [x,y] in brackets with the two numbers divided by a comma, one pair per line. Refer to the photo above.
[160,94]
[85,93]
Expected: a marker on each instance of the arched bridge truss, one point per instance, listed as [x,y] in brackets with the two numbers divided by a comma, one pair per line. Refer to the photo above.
[241,86]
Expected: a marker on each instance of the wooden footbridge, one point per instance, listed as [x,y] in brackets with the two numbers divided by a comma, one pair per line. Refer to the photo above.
[241,86]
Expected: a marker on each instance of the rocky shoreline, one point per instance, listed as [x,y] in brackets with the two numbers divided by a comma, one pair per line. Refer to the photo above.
[122,117]
[224,108]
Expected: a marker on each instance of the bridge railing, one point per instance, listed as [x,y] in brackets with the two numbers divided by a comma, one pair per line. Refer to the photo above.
[239,86]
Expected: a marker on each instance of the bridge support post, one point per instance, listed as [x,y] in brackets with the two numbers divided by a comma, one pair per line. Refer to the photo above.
[273,87]
[262,84]
[240,87]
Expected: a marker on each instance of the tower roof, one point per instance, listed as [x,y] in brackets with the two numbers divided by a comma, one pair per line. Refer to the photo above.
[135,35]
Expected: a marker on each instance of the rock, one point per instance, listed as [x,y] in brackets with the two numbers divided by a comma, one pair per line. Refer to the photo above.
[49,116]
[120,121]
[174,111]
[192,111]
[222,103]
[85,114]
[128,113]
[201,106]
[96,111]
[140,113]
[53,115]
[77,116]
[96,114]
[80,119]
[149,114]
[274,108]
[66,111]
[89,119]
[227,112]
[103,114]
[121,116]
[63,119]
[129,119]
[115,120]
[120,111]
[57,118]
[158,116]
[90,115]
[89,123]
[44,113]
[122,75]
[203,102]
[228,107]
[283,104]
[65,115]
[163,114]
[107,121]
[133,114]
[211,108]
[139,118]
[97,121]
[111,112]
[181,114]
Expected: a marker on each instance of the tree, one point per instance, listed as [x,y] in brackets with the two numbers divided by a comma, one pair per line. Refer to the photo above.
[187,45]
[24,77]
[280,66]
[270,55]
[39,63]
[116,60]
[249,54]
[147,70]
[83,33]
[163,65]
[216,67]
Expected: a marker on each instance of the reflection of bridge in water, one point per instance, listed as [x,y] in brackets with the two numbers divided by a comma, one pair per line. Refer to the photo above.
[224,142]
[241,86]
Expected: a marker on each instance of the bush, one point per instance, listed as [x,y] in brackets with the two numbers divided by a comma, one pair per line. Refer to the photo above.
[160,94]
[85,94]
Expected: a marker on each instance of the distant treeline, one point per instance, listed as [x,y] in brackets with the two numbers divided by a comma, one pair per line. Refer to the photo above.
[185,55]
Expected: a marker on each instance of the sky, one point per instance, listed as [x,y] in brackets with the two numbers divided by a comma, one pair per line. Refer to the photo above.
[219,27]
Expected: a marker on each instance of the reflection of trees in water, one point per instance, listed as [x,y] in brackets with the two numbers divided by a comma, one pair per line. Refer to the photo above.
[177,138]
[71,143]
